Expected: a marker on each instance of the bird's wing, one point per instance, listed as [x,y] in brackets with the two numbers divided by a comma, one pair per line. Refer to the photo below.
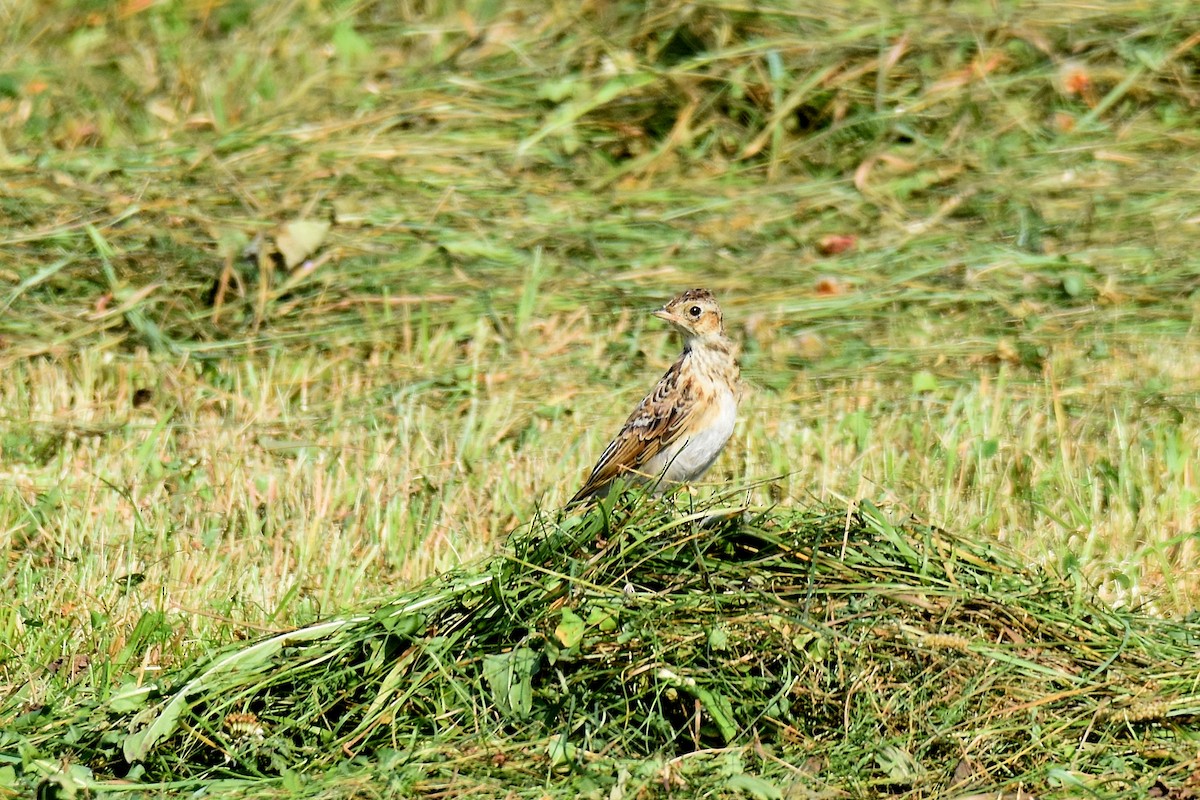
[657,422]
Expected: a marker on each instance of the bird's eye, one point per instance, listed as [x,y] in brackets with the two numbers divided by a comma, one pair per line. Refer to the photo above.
[694,311]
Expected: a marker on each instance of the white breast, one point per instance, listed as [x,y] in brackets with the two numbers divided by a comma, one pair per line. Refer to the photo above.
[689,458]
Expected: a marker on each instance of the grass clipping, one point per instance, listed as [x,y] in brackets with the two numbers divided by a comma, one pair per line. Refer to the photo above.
[834,649]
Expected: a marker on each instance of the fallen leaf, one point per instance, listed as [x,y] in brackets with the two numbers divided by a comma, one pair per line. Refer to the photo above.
[1075,81]
[836,243]
[830,286]
[299,239]
[862,172]
[808,345]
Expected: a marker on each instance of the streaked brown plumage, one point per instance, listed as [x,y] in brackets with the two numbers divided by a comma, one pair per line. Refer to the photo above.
[677,431]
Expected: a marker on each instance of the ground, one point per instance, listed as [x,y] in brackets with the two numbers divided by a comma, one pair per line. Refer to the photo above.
[954,241]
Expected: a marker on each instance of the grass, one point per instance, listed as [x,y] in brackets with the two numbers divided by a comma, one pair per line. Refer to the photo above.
[198,449]
[855,655]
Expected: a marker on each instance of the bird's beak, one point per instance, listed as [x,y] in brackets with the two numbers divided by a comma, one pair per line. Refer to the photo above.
[665,315]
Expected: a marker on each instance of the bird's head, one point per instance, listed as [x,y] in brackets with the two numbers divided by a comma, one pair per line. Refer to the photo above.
[694,313]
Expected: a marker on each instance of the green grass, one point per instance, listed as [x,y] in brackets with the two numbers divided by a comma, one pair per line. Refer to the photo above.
[198,449]
[856,655]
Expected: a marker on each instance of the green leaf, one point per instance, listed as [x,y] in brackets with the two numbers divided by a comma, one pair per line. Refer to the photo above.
[138,744]
[510,677]
[556,91]
[1073,284]
[754,786]
[1060,776]
[560,750]
[231,242]
[858,425]
[718,638]
[897,763]
[602,618]
[720,709]
[924,381]
[570,629]
[402,624]
[349,44]
[130,697]
[292,781]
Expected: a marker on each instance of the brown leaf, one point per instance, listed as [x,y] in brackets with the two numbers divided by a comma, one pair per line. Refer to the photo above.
[862,172]
[836,243]
[965,772]
[830,286]
[897,52]
[1074,80]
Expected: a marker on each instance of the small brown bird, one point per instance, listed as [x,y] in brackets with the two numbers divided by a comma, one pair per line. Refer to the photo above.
[678,430]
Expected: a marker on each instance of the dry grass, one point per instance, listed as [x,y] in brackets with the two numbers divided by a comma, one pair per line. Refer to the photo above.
[195,448]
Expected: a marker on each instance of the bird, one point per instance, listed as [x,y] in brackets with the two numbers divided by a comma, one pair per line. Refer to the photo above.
[678,430]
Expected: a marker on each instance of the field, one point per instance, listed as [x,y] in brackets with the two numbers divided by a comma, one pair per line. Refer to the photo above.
[303,304]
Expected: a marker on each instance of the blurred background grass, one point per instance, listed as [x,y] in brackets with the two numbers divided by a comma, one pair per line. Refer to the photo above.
[956,241]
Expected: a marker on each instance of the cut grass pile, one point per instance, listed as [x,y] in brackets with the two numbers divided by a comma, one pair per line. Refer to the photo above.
[639,651]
